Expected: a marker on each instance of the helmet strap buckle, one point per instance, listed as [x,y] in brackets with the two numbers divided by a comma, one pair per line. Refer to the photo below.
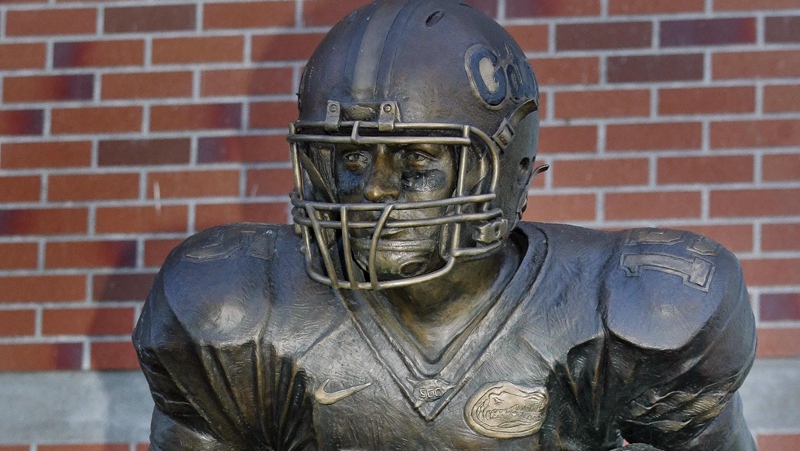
[504,135]
[388,115]
[333,116]
[491,232]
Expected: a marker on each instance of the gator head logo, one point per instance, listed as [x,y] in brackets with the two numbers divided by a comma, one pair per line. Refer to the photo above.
[504,410]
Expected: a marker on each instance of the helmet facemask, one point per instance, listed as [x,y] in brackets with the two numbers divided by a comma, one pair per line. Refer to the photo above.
[343,241]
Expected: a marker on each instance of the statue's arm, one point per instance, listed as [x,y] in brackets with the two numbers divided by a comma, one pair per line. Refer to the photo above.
[682,373]
[218,383]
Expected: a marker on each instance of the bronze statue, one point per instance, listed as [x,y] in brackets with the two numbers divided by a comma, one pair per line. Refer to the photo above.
[419,312]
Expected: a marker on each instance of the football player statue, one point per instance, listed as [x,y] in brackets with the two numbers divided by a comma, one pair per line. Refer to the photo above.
[408,308]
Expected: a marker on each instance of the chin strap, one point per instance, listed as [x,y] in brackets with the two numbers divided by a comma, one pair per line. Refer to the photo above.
[505,133]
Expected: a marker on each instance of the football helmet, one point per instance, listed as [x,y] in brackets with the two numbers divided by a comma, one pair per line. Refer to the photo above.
[404,72]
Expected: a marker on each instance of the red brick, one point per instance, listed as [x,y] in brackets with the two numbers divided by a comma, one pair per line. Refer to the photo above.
[550,8]
[152,219]
[780,237]
[22,56]
[561,208]
[762,64]
[567,71]
[48,88]
[781,98]
[782,29]
[663,136]
[113,356]
[531,38]
[144,152]
[156,251]
[658,205]
[50,221]
[655,6]
[740,99]
[196,116]
[285,47]
[781,167]
[605,35]
[779,307]
[90,254]
[15,289]
[650,68]
[679,33]
[737,238]
[193,184]
[690,170]
[87,321]
[41,357]
[269,182]
[206,49]
[26,188]
[98,54]
[138,19]
[617,172]
[18,256]
[85,447]
[778,442]
[581,138]
[17,323]
[51,22]
[59,154]
[96,120]
[147,85]
[749,5]
[216,214]
[572,104]
[324,12]
[21,122]
[755,203]
[72,187]
[243,149]
[233,82]
[272,114]
[121,287]
[742,134]
[248,15]
[776,343]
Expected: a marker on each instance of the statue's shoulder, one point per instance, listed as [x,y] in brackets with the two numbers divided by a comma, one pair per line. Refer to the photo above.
[664,289]
[216,285]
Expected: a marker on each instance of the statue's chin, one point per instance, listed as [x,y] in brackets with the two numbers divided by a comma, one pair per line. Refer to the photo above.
[397,259]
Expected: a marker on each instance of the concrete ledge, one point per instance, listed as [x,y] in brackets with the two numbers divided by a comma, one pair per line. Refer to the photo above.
[115,407]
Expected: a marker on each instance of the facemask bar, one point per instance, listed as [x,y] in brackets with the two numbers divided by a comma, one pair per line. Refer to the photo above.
[315,217]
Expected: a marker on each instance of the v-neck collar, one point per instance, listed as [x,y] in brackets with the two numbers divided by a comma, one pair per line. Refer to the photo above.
[429,393]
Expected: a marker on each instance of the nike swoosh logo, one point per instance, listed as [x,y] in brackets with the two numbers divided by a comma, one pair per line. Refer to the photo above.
[326,398]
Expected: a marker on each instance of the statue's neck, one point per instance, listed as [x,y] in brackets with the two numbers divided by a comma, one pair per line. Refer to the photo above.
[435,313]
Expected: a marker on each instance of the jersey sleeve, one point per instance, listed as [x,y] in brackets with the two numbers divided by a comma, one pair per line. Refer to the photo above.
[217,385]
[682,340]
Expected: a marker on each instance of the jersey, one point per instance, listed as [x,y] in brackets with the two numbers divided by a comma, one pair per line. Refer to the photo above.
[643,334]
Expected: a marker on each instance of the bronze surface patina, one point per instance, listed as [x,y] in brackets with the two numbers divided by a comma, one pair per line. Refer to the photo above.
[420,313]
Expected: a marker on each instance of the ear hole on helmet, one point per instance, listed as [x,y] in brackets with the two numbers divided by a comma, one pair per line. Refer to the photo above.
[523,173]
[434,18]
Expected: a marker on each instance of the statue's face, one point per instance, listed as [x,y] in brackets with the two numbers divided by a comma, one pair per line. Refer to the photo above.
[396,174]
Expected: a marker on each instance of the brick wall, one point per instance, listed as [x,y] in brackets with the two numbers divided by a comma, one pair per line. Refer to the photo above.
[127,125]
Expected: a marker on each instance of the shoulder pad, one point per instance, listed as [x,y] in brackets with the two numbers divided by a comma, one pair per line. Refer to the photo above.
[666,287]
[216,283]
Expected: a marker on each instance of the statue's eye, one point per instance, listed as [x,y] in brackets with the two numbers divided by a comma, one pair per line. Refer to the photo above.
[355,160]
[417,158]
